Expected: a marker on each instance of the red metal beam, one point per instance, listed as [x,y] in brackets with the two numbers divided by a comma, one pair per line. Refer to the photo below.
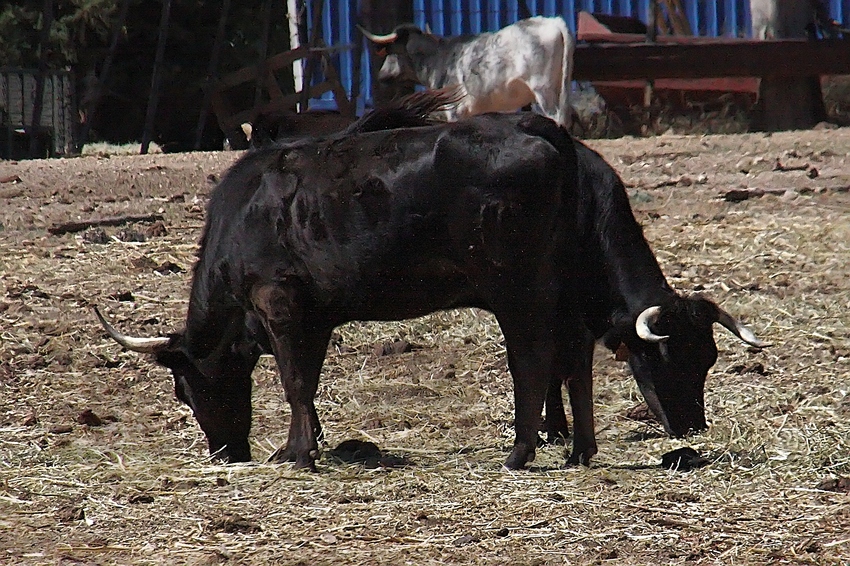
[724,58]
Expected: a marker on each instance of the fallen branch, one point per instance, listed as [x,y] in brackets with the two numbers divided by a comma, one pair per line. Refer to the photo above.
[69,227]
[778,166]
[739,195]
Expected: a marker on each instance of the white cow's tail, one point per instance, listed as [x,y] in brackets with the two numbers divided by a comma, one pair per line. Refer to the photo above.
[564,109]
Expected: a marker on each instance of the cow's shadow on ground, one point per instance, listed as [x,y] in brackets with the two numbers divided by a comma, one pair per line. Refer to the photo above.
[370,456]
[367,454]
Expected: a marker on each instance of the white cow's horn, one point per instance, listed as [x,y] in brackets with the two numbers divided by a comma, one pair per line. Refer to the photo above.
[379,39]
[738,329]
[643,322]
[143,345]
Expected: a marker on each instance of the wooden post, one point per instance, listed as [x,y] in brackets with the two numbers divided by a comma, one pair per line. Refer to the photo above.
[651,33]
[652,21]
[295,14]
[156,79]
[264,53]
[212,73]
[356,68]
[315,39]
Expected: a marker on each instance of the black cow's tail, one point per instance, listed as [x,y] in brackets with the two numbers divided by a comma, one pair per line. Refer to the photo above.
[559,138]
[556,135]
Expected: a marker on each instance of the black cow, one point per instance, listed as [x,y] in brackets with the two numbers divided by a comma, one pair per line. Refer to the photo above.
[501,212]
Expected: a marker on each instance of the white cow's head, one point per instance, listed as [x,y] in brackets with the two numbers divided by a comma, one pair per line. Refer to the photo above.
[405,50]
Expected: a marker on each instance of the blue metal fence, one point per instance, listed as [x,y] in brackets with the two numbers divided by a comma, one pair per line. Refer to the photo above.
[712,18]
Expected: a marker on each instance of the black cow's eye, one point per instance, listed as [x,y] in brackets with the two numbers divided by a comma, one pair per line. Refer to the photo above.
[665,351]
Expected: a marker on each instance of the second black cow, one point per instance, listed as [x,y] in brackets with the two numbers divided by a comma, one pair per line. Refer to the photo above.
[502,212]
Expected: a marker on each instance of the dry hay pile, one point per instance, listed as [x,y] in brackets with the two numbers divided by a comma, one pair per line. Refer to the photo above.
[100,465]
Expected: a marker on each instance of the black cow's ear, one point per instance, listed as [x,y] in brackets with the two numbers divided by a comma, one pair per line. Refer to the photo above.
[613,339]
[173,358]
[403,34]
[702,312]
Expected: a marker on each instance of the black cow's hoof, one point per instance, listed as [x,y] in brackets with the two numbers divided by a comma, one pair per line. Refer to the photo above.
[581,457]
[519,457]
[287,454]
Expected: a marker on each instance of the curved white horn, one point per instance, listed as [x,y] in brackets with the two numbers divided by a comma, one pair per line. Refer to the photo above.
[428,29]
[738,329]
[143,345]
[379,39]
[644,320]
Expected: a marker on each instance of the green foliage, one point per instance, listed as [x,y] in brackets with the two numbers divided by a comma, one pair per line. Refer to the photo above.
[79,39]
[80,29]
[18,34]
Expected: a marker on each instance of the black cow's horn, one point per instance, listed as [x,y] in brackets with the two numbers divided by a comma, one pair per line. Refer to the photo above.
[379,39]
[738,329]
[644,320]
[143,345]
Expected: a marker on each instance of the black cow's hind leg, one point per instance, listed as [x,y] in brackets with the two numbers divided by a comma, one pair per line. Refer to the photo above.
[299,349]
[557,429]
[528,331]
[529,372]
[580,387]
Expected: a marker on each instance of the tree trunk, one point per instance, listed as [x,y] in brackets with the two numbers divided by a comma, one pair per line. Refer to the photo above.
[212,73]
[790,103]
[38,104]
[153,98]
[93,98]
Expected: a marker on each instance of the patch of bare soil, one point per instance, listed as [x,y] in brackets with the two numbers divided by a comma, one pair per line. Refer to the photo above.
[99,464]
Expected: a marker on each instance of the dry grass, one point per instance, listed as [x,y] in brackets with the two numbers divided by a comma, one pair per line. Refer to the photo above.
[139,489]
[102,148]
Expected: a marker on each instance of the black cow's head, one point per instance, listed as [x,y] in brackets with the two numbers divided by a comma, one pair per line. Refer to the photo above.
[217,388]
[405,50]
[671,348]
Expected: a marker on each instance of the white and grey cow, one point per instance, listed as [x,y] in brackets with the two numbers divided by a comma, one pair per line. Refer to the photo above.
[530,61]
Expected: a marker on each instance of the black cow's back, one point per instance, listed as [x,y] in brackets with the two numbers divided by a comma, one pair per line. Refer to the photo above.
[396,223]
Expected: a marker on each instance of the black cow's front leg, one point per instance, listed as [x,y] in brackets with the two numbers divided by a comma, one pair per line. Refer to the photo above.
[299,349]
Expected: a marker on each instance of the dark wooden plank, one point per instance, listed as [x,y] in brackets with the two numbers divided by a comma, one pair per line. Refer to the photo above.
[730,58]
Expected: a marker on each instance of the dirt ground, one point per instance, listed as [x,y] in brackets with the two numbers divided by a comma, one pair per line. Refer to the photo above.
[99,464]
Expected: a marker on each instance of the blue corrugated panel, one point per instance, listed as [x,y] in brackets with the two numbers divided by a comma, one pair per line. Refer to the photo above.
[712,18]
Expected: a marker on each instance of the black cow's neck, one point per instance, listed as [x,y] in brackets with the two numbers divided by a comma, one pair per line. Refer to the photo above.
[625,277]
